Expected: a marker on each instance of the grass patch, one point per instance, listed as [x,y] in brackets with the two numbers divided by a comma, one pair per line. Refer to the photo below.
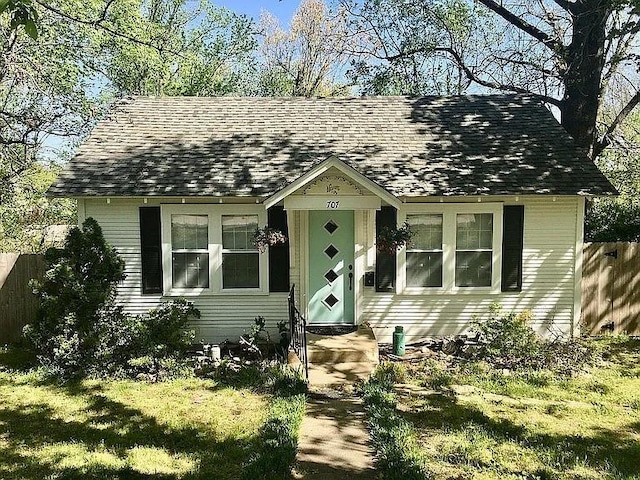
[399,456]
[278,444]
[187,428]
[476,422]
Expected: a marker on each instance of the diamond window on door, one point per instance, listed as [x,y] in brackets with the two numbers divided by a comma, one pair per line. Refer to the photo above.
[331,300]
[331,276]
[331,226]
[331,251]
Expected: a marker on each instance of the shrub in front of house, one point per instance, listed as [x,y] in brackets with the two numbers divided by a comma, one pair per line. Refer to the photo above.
[81,331]
[507,338]
[508,341]
[152,346]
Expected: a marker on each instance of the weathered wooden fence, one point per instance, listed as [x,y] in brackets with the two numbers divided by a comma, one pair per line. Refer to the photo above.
[611,288]
[18,305]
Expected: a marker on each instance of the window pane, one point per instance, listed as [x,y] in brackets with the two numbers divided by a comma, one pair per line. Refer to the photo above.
[424,269]
[426,231]
[240,270]
[237,232]
[190,270]
[474,231]
[189,232]
[473,269]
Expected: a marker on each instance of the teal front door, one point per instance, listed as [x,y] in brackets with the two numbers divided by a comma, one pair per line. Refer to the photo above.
[331,275]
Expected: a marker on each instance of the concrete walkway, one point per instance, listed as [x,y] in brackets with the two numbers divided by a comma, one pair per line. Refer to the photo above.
[334,443]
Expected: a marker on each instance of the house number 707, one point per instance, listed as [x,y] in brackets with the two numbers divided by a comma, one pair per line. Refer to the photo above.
[333,204]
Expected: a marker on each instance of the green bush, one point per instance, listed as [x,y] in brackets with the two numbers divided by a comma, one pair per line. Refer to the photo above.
[80,330]
[613,220]
[153,345]
[508,341]
[389,373]
[435,375]
[78,290]
[507,338]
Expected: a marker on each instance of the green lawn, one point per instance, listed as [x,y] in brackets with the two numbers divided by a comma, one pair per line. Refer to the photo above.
[473,422]
[125,429]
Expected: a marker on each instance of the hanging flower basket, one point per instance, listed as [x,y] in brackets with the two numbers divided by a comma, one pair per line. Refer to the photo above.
[266,237]
[390,239]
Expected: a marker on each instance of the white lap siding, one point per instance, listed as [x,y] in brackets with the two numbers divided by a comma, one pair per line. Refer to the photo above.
[548,290]
[222,316]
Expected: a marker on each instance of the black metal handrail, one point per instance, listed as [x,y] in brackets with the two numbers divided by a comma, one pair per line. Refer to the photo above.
[298,332]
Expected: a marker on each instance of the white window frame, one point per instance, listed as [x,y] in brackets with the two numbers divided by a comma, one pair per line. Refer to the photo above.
[231,251]
[189,250]
[449,212]
[214,214]
[428,250]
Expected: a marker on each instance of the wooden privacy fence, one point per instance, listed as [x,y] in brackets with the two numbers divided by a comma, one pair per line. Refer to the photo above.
[611,288]
[18,305]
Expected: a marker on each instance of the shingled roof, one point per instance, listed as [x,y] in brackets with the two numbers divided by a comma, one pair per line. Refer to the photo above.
[230,146]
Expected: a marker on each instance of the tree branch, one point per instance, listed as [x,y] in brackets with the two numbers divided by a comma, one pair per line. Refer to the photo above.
[99,23]
[497,86]
[548,41]
[606,139]
[526,63]
[565,5]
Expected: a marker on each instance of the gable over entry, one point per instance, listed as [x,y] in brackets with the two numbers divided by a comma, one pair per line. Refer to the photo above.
[332,185]
[329,205]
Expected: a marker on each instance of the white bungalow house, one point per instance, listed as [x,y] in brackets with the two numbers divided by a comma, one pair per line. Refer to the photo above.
[492,187]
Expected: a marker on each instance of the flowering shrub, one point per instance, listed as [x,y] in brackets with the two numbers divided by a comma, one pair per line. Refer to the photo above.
[389,240]
[266,237]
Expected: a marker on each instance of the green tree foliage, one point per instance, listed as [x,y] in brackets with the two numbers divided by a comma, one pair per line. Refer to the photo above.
[21,12]
[43,92]
[618,219]
[54,85]
[396,45]
[182,48]
[30,222]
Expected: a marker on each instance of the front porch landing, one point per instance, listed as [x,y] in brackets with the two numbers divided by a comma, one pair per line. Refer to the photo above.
[339,361]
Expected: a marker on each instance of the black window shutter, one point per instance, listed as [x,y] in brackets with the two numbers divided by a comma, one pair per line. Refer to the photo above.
[151,249]
[278,254]
[512,243]
[385,263]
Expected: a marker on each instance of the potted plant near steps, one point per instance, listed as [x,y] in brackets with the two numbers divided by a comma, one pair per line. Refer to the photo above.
[392,239]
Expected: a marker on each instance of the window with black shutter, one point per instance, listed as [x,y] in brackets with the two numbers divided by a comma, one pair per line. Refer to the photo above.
[512,244]
[151,249]
[386,217]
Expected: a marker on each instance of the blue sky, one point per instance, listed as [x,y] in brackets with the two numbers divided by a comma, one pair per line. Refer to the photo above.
[283,9]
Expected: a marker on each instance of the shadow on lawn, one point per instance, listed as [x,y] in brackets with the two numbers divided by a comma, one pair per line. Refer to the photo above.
[14,358]
[114,428]
[604,449]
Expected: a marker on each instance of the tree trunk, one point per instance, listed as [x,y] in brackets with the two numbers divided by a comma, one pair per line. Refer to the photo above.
[585,62]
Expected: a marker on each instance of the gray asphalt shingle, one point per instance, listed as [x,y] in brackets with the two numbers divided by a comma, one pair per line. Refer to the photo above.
[247,146]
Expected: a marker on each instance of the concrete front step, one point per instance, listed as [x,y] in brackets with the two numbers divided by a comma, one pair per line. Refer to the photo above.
[358,346]
[339,375]
[341,360]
